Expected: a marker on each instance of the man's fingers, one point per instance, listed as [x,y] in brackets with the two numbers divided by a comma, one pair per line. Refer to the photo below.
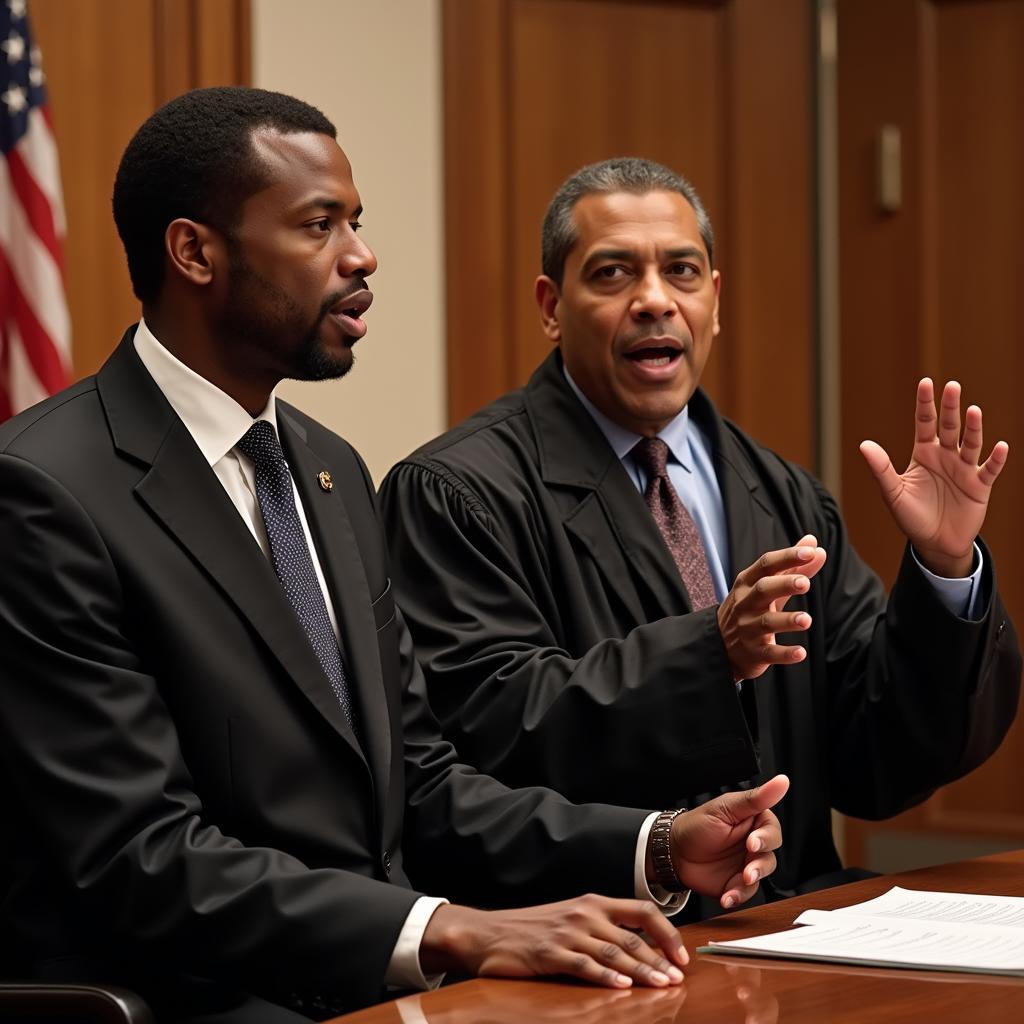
[779,654]
[949,415]
[766,835]
[647,917]
[627,953]
[993,465]
[752,801]
[881,466]
[773,562]
[771,588]
[924,412]
[759,867]
[973,441]
[970,447]
[579,965]
[744,883]
[599,951]
[813,567]
[784,622]
[810,570]
[754,660]
[737,891]
[753,613]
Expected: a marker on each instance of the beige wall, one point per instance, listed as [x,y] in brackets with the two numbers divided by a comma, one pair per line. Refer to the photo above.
[375,70]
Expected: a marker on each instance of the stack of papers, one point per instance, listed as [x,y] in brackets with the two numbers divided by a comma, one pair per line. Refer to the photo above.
[937,931]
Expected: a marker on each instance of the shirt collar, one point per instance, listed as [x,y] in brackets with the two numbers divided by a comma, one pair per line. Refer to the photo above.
[213,418]
[675,434]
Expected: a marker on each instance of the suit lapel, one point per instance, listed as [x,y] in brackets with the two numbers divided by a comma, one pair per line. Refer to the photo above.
[343,569]
[604,511]
[183,493]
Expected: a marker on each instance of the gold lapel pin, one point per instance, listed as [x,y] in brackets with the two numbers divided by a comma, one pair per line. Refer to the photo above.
[324,478]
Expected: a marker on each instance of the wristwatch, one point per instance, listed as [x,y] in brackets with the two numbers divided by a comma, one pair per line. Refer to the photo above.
[661,851]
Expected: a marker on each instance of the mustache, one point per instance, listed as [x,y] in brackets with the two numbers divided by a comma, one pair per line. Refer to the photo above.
[334,298]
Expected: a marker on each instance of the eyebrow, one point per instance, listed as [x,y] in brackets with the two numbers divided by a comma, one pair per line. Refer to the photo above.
[324,203]
[682,252]
[687,252]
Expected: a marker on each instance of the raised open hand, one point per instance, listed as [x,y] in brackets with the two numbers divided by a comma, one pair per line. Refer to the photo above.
[940,500]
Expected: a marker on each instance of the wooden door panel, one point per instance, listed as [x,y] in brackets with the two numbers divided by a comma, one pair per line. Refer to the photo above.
[99,94]
[577,98]
[109,65]
[721,92]
[933,289]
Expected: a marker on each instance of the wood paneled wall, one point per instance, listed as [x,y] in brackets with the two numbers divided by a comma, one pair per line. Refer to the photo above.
[109,65]
[931,288]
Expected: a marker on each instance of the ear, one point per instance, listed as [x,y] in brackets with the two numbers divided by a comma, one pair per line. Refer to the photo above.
[716,279]
[192,250]
[547,294]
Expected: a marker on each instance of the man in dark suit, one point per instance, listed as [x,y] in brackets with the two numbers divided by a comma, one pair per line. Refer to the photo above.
[571,638]
[222,775]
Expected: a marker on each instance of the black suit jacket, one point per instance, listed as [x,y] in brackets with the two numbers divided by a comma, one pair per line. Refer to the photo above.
[184,793]
[559,646]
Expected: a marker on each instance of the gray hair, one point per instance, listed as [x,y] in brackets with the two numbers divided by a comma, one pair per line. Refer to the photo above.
[620,174]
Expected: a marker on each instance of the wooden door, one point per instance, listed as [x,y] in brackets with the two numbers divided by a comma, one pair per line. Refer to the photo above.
[933,287]
[109,64]
[719,91]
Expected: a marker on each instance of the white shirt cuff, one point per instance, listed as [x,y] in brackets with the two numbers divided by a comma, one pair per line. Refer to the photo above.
[404,969]
[670,902]
[960,596]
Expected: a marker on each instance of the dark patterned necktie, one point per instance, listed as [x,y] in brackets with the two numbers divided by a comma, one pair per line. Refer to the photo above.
[289,552]
[675,522]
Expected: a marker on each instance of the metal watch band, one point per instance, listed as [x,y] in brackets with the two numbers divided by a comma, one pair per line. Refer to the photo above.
[661,851]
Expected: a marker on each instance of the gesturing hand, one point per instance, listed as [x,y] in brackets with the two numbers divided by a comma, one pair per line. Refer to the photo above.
[586,937]
[941,498]
[726,846]
[752,612]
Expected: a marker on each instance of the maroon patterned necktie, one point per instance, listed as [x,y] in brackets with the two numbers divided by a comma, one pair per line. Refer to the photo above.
[675,522]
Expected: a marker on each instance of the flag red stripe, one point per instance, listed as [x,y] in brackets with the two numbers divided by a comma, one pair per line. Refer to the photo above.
[42,354]
[36,206]
[34,321]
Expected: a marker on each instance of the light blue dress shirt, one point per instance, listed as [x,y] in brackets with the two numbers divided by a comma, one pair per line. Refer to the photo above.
[692,472]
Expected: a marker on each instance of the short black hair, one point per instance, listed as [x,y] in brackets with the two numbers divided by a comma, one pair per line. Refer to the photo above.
[194,158]
[620,174]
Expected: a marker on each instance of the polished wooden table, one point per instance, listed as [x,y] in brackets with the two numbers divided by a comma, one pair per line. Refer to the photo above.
[723,989]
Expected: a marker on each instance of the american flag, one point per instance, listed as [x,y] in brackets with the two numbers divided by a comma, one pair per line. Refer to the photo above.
[35,329]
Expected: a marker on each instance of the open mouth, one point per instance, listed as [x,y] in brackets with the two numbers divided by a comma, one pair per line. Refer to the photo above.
[655,355]
[353,306]
[348,312]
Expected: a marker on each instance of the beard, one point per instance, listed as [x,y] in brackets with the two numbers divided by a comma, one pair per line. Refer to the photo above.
[259,315]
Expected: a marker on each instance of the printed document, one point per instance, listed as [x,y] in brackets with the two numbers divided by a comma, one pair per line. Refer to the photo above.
[939,931]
